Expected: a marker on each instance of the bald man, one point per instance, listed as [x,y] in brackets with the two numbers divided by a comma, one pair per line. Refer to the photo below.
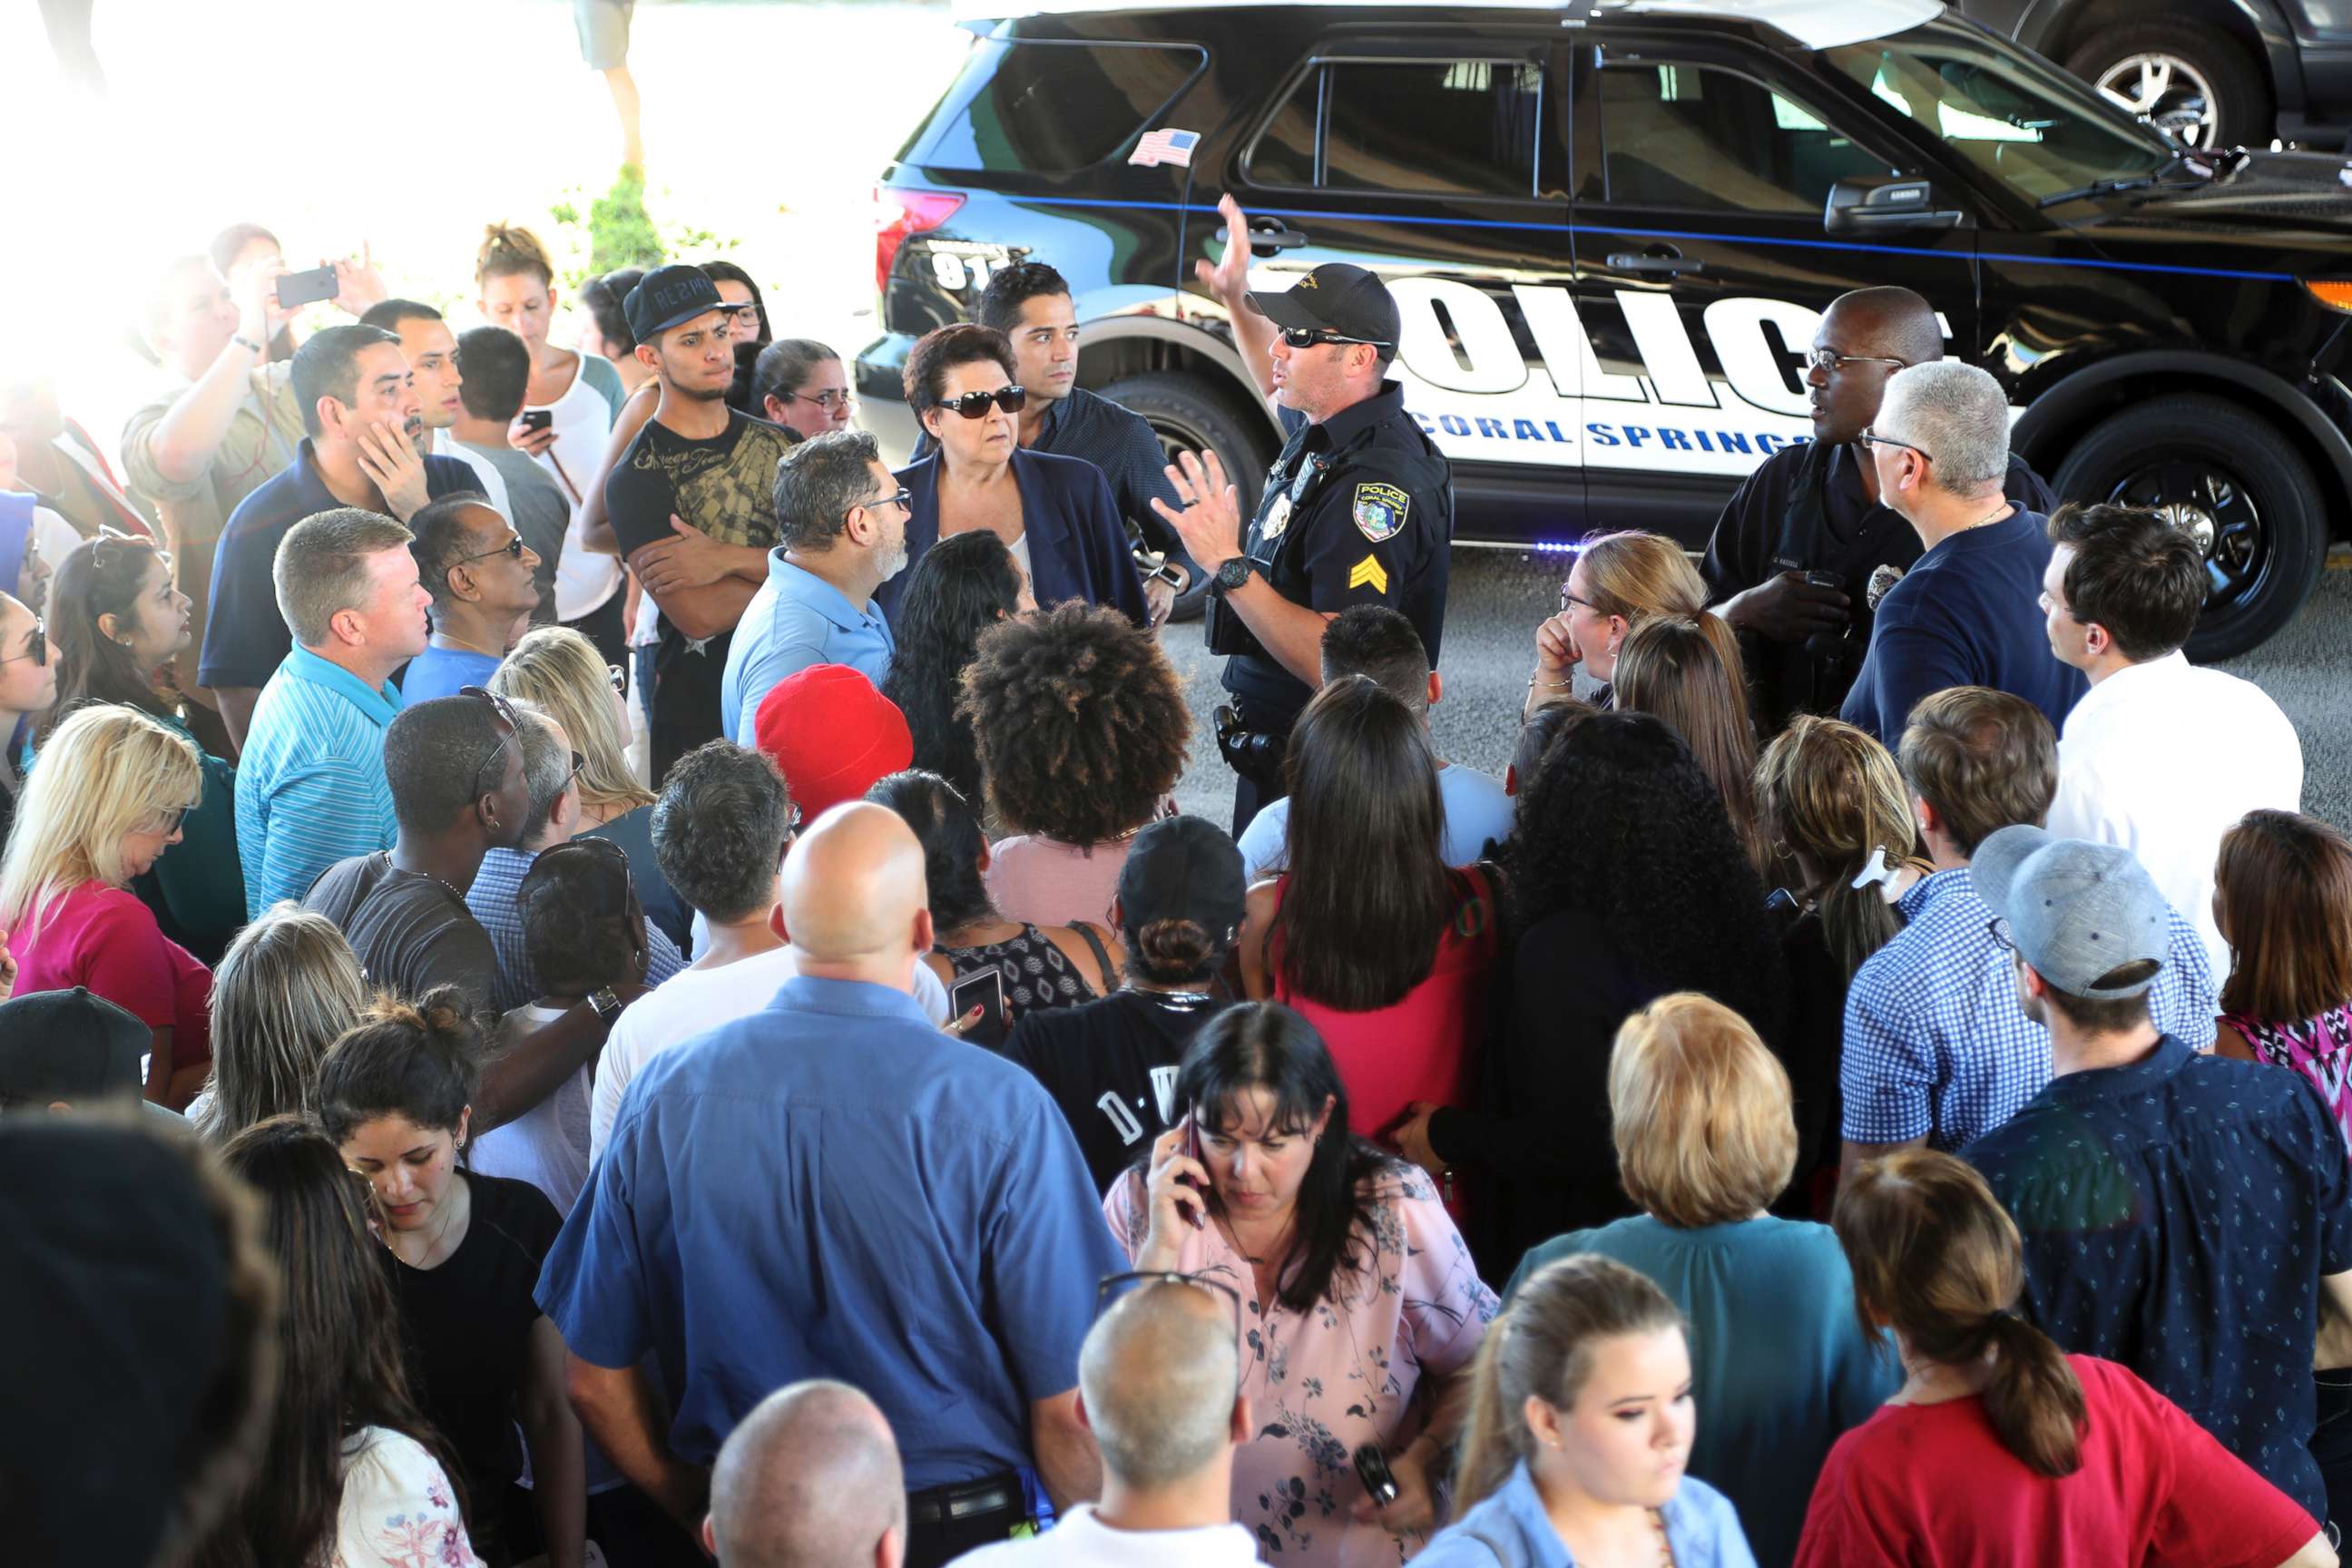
[1160,1382]
[810,1480]
[831,1187]
[1815,509]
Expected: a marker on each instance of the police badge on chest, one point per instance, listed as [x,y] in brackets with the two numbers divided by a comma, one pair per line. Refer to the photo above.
[1278,514]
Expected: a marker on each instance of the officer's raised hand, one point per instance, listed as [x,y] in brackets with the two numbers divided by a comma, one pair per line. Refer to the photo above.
[1209,518]
[1786,607]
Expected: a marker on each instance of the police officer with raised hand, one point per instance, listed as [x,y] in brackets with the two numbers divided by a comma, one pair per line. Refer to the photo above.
[1793,556]
[1357,509]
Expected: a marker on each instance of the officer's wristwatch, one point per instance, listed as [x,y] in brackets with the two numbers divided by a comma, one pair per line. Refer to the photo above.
[1233,574]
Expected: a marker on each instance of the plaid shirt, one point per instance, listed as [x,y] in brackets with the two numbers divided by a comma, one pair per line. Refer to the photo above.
[494,897]
[1935,1043]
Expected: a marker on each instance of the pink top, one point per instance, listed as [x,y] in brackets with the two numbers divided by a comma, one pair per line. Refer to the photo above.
[2320,1049]
[105,938]
[1044,881]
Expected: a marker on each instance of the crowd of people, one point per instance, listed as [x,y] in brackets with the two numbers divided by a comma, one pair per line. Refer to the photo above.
[596,976]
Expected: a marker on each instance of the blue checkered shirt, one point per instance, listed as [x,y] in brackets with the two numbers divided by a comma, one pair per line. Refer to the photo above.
[1935,1043]
[493,899]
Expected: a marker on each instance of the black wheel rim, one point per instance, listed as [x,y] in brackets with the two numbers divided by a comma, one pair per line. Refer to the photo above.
[2214,508]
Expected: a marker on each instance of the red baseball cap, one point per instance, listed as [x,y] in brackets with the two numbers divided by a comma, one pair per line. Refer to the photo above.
[832,735]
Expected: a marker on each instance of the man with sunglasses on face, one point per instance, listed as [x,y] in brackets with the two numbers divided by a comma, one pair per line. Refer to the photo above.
[1358,510]
[481,575]
[1812,513]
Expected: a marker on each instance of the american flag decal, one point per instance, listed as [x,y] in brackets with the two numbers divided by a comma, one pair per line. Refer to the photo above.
[1165,147]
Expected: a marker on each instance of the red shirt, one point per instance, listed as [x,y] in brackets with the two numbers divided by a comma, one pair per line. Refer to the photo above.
[105,938]
[1931,1485]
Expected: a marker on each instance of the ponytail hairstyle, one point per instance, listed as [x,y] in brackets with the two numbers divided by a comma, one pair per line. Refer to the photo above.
[420,1062]
[1686,670]
[1831,793]
[1936,1258]
[1542,1347]
[508,250]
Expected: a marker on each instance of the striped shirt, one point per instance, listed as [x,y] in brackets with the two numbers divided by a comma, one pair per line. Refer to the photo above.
[1935,1043]
[311,788]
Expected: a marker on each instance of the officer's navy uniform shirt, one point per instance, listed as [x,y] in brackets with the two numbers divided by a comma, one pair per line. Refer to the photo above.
[2177,1215]
[831,1187]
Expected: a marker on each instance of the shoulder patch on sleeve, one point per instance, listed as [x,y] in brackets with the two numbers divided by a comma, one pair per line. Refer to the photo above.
[1369,570]
[1379,512]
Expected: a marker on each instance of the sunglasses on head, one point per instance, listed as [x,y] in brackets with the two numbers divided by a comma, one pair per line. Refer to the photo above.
[974,405]
[37,645]
[505,710]
[1307,337]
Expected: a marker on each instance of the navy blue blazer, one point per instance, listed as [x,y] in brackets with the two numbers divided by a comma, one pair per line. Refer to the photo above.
[1077,545]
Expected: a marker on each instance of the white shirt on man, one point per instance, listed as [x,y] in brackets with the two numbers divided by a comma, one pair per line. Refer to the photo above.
[1082,1538]
[2163,758]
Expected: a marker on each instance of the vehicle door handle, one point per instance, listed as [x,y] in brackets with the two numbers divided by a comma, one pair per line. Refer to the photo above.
[1272,234]
[1668,262]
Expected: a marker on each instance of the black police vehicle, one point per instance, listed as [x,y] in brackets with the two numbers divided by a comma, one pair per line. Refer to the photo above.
[1610,229]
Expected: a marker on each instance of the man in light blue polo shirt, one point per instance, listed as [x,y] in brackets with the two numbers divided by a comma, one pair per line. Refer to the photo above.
[843,522]
[311,786]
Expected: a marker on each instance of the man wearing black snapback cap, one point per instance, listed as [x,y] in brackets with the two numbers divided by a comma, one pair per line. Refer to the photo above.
[1358,510]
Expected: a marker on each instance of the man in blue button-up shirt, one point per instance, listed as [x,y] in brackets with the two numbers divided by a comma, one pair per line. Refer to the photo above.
[844,522]
[832,1187]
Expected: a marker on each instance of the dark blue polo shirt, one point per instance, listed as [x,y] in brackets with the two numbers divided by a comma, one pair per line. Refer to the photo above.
[2177,1215]
[832,1187]
[245,636]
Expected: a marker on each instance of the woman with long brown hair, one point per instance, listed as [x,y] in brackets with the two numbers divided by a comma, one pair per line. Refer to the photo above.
[1686,670]
[2282,897]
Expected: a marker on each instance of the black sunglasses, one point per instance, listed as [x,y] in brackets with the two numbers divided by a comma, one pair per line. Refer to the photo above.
[902,497]
[1307,337]
[604,848]
[974,405]
[512,547]
[36,646]
[505,710]
[1112,1288]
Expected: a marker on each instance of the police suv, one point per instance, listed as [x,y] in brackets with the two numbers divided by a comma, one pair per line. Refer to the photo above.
[1612,227]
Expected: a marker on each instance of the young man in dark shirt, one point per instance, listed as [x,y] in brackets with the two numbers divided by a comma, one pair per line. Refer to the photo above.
[701,475]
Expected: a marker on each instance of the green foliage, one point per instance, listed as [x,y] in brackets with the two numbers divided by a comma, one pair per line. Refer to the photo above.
[621,232]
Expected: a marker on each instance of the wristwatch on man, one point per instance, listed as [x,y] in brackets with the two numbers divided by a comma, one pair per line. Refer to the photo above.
[1233,574]
[608,1006]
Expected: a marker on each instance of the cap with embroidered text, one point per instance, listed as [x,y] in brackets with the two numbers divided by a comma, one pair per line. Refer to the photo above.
[666,296]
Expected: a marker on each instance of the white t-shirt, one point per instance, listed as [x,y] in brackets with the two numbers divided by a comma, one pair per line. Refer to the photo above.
[1476,809]
[695,1002]
[548,1145]
[583,424]
[1085,1542]
[493,483]
[398,1507]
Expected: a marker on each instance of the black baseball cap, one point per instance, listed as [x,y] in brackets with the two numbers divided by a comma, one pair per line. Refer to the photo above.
[1184,869]
[666,296]
[70,1045]
[1337,297]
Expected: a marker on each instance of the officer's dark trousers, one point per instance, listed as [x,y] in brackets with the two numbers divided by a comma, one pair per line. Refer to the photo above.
[1250,798]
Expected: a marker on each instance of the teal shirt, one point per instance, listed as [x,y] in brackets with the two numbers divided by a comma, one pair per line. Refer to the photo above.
[311,788]
[1779,1367]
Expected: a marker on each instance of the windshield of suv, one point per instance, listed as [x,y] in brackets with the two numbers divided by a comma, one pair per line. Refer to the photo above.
[2017,118]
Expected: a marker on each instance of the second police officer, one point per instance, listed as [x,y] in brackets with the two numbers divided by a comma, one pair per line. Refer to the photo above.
[1357,509]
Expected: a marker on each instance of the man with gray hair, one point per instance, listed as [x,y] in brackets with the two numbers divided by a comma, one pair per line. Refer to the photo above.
[810,1480]
[1965,614]
[1160,1386]
[843,517]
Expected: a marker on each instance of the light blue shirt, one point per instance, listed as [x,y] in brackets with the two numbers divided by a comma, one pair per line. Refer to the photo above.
[311,788]
[795,620]
[1511,1529]
[443,672]
[1476,810]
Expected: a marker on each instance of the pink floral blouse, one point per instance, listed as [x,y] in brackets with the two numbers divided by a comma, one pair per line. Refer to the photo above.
[1344,1373]
[398,1509]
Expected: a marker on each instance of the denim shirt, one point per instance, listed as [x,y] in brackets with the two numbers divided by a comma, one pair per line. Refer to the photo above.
[1511,1529]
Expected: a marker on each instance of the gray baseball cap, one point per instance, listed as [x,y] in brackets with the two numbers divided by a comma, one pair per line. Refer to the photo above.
[2076,910]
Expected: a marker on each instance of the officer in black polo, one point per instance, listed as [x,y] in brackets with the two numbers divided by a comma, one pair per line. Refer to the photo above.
[1358,509]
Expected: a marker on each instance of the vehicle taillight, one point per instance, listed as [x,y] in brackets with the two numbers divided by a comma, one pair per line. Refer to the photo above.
[2336,293]
[901,213]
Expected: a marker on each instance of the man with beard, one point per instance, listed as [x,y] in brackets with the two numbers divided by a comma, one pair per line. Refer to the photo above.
[1792,558]
[844,522]
[363,422]
[699,476]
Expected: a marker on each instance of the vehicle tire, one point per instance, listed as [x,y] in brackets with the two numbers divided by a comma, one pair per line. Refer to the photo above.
[2236,484]
[2191,78]
[1191,413]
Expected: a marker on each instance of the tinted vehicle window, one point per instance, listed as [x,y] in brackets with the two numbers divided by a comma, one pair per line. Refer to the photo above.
[1439,127]
[1039,107]
[1697,136]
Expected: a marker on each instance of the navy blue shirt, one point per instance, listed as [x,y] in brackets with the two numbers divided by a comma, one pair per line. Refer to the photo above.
[2177,1215]
[245,636]
[1968,613]
[832,1187]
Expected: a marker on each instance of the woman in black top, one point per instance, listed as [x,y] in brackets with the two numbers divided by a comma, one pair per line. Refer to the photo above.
[961,588]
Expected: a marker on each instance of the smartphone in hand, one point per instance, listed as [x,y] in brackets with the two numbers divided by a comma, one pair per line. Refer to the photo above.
[985,990]
[538,419]
[1192,1153]
[298,288]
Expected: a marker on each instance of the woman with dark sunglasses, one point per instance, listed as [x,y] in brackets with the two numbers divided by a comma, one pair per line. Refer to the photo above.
[1055,514]
[28,684]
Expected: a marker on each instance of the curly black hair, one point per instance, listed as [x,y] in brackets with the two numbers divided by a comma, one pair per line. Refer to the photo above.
[1080,721]
[962,586]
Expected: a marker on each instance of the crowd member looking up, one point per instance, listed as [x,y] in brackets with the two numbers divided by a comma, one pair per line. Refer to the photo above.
[741,294]
[354,1467]
[1177,912]
[396,1097]
[479,570]
[925,1140]
[1354,1281]
[2282,896]
[1624,873]
[359,411]
[115,624]
[1999,1447]
[580,394]
[2157,756]
[1936,1049]
[1618,581]
[105,803]
[498,365]
[843,519]
[1686,670]
[70,1051]
[286,989]
[431,349]
[606,336]
[1055,514]
[310,782]
[1159,1386]
[1815,509]
[1580,1434]
[28,685]
[1082,730]
[963,587]
[810,1478]
[801,385]
[2254,1229]
[1706,1141]
[700,477]
[1963,615]
[57,461]
[1378,643]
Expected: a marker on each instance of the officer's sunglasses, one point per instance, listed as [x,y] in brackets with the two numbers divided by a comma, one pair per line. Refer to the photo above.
[1307,337]
[974,405]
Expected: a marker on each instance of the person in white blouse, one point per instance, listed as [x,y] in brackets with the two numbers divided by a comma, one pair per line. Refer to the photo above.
[2158,756]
